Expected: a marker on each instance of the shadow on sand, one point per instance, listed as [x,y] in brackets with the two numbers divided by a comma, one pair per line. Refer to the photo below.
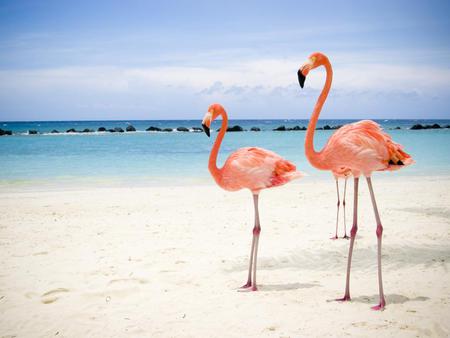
[288,286]
[390,299]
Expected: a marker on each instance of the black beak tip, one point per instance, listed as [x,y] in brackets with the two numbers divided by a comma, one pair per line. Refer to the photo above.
[301,78]
[206,129]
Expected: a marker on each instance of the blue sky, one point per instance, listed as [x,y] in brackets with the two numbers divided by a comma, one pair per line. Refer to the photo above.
[65,60]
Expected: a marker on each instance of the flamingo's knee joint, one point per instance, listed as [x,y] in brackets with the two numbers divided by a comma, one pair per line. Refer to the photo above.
[354,231]
[256,231]
[379,230]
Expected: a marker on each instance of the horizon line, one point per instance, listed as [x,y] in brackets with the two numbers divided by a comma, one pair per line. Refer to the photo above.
[246,119]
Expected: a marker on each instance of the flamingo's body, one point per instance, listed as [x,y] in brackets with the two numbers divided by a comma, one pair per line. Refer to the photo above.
[255,169]
[354,149]
[361,147]
[252,168]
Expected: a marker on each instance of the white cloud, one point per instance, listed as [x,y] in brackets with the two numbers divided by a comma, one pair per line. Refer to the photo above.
[264,83]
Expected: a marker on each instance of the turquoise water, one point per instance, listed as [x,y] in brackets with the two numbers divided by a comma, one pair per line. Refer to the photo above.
[152,157]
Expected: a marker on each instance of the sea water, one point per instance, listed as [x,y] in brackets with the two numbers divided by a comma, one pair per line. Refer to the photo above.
[177,157]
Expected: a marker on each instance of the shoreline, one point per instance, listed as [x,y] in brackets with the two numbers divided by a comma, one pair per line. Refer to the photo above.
[87,183]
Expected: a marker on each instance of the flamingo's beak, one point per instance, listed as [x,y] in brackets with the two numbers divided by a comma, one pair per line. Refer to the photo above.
[206,129]
[301,78]
[304,70]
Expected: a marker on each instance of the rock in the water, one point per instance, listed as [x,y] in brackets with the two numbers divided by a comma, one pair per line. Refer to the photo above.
[280,128]
[5,132]
[427,126]
[235,128]
[255,129]
[54,131]
[71,130]
[118,130]
[167,130]
[183,129]
[101,129]
[151,128]
[32,132]
[397,128]
[112,130]
[130,128]
[87,130]
[197,129]
[326,127]
[299,128]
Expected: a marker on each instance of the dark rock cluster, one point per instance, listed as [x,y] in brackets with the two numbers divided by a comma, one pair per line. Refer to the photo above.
[283,128]
[5,132]
[428,126]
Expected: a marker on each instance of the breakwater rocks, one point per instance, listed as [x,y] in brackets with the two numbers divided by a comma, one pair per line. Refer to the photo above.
[283,128]
[5,132]
[236,128]
[428,126]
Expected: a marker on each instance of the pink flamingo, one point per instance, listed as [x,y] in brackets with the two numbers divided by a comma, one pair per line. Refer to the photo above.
[252,168]
[357,148]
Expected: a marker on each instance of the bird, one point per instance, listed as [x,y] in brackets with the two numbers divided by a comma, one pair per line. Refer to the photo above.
[357,149]
[252,168]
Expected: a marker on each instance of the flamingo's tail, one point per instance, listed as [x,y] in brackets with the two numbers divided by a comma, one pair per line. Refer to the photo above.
[398,158]
[294,175]
[284,172]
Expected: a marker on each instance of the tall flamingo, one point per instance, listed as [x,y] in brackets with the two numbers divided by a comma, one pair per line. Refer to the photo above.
[358,148]
[252,168]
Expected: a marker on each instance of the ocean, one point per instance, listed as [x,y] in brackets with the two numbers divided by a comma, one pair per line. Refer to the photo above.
[175,157]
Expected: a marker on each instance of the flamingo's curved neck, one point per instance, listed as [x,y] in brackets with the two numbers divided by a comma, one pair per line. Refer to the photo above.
[313,156]
[212,165]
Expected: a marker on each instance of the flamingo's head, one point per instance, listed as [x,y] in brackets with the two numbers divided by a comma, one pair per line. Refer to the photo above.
[214,110]
[314,60]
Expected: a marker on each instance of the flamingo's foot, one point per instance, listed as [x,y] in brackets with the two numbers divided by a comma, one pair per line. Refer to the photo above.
[379,307]
[246,285]
[334,237]
[346,237]
[248,289]
[346,298]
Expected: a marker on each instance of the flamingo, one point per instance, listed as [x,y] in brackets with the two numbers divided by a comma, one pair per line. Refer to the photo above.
[356,148]
[252,168]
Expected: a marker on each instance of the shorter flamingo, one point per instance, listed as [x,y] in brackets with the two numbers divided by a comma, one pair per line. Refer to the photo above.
[252,168]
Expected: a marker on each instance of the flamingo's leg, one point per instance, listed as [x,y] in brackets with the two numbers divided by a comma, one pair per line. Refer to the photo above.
[379,232]
[352,241]
[256,232]
[343,205]
[249,279]
[337,212]
[252,264]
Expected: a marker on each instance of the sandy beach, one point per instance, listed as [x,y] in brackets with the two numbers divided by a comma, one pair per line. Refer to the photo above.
[167,261]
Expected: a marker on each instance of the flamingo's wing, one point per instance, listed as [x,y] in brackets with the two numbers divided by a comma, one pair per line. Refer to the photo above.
[256,168]
[365,144]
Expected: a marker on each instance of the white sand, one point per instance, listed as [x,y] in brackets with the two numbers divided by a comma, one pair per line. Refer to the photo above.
[166,262]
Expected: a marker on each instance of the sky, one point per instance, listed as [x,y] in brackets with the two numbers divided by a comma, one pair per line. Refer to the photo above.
[97,60]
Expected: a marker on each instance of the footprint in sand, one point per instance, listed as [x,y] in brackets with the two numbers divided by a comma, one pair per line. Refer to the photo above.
[128,280]
[52,295]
